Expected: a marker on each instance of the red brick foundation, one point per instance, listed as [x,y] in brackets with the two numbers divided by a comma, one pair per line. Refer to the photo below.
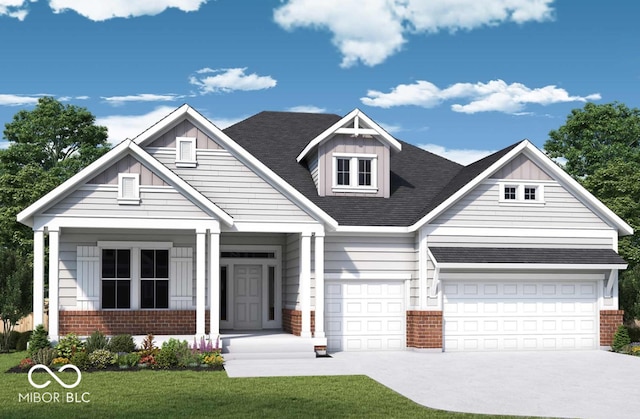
[424,329]
[134,322]
[292,321]
[609,322]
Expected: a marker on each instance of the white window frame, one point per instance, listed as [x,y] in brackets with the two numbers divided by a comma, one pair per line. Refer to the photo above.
[354,168]
[520,187]
[129,200]
[134,276]
[192,160]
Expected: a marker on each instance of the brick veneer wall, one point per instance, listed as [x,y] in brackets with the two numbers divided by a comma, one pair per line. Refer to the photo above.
[424,329]
[292,321]
[609,322]
[134,322]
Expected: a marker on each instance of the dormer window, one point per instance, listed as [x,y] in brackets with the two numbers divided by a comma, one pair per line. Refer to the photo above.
[521,193]
[354,173]
[128,189]
[186,152]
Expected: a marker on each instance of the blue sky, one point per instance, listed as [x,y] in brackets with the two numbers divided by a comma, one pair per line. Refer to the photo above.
[460,78]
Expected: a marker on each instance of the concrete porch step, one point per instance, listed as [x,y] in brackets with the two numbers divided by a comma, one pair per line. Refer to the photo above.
[265,345]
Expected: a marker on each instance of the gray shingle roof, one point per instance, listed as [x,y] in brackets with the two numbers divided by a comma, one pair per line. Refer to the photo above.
[526,255]
[420,180]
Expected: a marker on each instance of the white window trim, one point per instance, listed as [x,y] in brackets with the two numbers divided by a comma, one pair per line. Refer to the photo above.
[125,200]
[135,247]
[353,173]
[192,160]
[520,187]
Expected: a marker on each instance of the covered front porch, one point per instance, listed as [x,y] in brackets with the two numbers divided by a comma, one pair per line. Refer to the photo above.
[241,278]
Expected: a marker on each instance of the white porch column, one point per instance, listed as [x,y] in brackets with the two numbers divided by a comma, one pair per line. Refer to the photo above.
[201,259]
[422,269]
[54,303]
[38,277]
[319,270]
[305,284]
[214,284]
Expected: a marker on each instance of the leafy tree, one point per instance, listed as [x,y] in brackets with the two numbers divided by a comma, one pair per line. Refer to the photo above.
[601,146]
[15,297]
[47,146]
[595,135]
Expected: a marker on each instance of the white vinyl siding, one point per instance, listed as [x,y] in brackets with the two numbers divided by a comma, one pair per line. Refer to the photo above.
[235,188]
[482,207]
[291,277]
[155,201]
[468,240]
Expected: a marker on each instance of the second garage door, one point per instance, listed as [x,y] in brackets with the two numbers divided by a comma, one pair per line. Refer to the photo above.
[512,315]
[365,316]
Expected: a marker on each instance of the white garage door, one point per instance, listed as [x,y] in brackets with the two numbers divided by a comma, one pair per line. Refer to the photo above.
[365,316]
[519,316]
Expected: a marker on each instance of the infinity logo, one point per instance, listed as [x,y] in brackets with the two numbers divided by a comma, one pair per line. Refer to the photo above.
[55,377]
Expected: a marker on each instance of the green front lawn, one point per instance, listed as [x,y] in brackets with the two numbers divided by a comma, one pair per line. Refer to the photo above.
[207,394]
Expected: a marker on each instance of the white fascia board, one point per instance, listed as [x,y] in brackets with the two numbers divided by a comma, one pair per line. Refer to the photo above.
[335,128]
[25,216]
[255,164]
[125,222]
[178,182]
[564,177]
[245,226]
[525,231]
[469,186]
[372,230]
[530,266]
[161,125]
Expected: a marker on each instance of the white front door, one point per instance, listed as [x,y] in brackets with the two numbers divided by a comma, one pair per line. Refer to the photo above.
[247,296]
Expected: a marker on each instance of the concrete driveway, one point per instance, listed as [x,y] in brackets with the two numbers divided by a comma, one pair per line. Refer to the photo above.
[580,384]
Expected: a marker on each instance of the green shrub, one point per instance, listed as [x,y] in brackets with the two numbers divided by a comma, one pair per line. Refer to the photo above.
[621,339]
[129,360]
[39,339]
[44,356]
[69,345]
[634,333]
[96,341]
[23,340]
[171,351]
[102,358]
[122,343]
[13,340]
[81,360]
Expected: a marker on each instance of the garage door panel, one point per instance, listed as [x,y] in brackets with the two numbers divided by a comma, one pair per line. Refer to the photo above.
[509,316]
[365,316]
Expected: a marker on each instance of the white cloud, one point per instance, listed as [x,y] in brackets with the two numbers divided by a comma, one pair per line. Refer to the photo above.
[496,96]
[70,98]
[143,97]
[462,156]
[17,9]
[122,127]
[104,10]
[229,79]
[373,33]
[307,109]
[18,100]
[130,126]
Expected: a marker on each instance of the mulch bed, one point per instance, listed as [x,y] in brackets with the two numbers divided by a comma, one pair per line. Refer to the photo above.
[113,368]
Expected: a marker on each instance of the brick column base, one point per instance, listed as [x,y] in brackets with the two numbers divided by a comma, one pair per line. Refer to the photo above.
[609,322]
[424,329]
[292,321]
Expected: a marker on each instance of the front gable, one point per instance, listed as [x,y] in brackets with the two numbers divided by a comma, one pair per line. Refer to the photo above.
[351,158]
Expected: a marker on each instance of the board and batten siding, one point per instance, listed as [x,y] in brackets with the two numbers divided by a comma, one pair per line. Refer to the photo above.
[346,144]
[155,201]
[85,241]
[233,187]
[482,207]
[185,129]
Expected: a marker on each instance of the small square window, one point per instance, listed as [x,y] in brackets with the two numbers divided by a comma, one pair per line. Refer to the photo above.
[186,152]
[529,193]
[128,188]
[510,193]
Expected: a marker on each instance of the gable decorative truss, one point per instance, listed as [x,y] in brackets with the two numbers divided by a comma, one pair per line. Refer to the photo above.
[226,142]
[547,165]
[356,124]
[115,154]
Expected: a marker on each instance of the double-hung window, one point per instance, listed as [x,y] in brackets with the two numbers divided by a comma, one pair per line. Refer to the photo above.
[116,278]
[154,278]
[354,172]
